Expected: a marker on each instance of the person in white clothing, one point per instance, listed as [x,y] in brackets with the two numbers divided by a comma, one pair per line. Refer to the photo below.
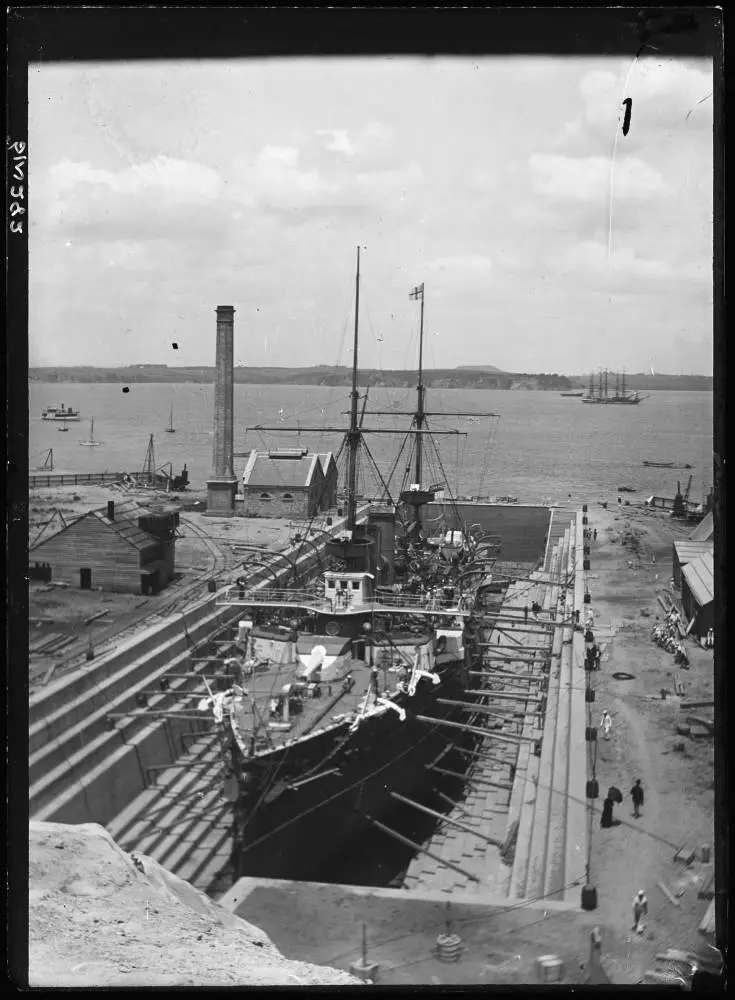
[606,724]
[640,910]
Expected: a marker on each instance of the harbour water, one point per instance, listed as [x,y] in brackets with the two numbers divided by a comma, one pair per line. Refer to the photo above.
[543,447]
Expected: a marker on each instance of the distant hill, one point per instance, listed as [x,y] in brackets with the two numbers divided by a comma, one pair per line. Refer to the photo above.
[479,368]
[462,377]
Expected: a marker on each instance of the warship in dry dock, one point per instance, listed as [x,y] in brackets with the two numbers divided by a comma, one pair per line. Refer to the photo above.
[348,690]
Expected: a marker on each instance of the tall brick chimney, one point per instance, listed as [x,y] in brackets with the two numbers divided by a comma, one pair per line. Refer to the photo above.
[221,488]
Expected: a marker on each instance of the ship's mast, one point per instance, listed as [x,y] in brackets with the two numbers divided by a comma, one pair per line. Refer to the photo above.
[606,383]
[623,381]
[418,293]
[353,436]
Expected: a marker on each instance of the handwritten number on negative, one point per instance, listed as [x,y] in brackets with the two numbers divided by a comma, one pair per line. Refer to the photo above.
[628,102]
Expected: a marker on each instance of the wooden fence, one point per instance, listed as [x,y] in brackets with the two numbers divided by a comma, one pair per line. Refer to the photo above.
[38,480]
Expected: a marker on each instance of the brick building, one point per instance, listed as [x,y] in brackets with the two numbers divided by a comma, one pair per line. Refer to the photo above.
[289,482]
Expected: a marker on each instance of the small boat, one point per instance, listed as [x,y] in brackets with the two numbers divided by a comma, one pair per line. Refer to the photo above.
[575,394]
[91,443]
[659,465]
[171,429]
[60,412]
[626,489]
[64,428]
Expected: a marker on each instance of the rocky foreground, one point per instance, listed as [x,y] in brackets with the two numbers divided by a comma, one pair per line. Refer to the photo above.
[101,917]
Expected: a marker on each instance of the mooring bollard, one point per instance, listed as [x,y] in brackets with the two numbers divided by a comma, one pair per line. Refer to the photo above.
[363,969]
[448,945]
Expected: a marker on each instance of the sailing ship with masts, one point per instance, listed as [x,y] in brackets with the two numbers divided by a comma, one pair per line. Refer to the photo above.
[346,691]
[601,392]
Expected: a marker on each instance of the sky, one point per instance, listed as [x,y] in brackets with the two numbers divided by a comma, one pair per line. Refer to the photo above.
[547,240]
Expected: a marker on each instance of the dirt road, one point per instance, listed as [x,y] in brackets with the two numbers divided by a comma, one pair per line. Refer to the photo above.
[679,797]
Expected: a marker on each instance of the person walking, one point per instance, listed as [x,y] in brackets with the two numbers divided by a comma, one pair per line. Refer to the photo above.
[594,535]
[640,910]
[636,794]
[606,724]
[606,819]
[525,613]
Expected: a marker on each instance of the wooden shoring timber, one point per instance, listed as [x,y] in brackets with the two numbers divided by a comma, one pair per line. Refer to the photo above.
[505,629]
[202,717]
[507,675]
[482,755]
[455,805]
[446,819]
[419,849]
[194,675]
[471,778]
[523,647]
[487,733]
[496,695]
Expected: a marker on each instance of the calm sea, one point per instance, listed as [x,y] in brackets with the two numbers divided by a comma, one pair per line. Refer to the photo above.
[542,447]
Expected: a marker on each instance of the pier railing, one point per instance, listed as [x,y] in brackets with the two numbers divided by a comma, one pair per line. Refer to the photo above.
[315,600]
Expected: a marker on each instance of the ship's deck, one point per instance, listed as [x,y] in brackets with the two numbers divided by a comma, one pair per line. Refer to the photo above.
[261,714]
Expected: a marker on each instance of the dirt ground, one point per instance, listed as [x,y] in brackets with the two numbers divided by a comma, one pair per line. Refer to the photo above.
[678,784]
[99,917]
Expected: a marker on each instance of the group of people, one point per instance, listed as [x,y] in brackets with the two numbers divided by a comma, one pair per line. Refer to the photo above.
[614,796]
[709,640]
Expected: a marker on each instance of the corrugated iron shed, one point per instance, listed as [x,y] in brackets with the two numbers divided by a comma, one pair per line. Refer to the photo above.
[699,575]
[686,549]
[705,530]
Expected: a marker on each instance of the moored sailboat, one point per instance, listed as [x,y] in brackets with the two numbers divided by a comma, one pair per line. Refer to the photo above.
[91,443]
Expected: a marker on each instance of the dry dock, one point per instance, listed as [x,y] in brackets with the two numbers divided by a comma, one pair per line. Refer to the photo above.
[520,829]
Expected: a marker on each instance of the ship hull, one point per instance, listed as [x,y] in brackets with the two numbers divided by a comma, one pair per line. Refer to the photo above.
[293,835]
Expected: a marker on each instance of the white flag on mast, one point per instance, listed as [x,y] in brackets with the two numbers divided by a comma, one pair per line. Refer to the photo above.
[417,292]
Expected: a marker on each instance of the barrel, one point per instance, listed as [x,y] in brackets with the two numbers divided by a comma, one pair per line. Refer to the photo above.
[589,897]
[448,947]
[550,969]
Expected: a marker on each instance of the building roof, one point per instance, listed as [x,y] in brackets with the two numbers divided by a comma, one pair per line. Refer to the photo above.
[126,529]
[705,530]
[686,549]
[699,575]
[125,526]
[326,459]
[288,469]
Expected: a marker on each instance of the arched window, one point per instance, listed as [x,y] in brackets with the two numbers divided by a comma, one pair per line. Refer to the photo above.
[265,496]
[288,497]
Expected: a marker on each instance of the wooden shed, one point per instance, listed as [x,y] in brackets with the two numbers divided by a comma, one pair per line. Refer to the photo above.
[288,482]
[684,550]
[698,592]
[108,549]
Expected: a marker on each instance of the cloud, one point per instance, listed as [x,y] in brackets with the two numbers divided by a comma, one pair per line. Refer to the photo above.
[156,199]
[624,268]
[588,179]
[339,141]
